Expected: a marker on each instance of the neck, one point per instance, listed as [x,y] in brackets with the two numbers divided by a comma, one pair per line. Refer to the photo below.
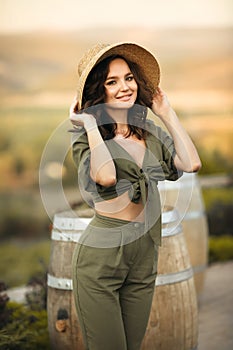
[122,129]
[120,116]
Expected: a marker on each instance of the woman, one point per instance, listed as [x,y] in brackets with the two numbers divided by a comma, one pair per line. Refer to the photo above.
[120,156]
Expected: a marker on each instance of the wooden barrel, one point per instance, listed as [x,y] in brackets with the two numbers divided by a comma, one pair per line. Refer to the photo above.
[173,319]
[63,324]
[185,195]
[173,322]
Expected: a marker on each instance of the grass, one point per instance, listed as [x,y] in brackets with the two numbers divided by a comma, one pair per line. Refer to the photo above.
[22,215]
[27,128]
[214,195]
[21,260]
[220,248]
[24,134]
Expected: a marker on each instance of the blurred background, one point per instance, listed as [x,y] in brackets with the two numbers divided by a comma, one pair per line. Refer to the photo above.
[40,46]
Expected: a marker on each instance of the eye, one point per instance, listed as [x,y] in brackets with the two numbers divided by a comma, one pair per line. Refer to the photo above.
[111,82]
[130,78]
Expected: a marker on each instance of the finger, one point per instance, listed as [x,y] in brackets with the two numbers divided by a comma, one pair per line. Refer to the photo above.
[73,104]
[162,92]
[73,116]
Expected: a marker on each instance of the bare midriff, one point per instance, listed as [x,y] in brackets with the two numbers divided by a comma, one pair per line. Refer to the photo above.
[121,208]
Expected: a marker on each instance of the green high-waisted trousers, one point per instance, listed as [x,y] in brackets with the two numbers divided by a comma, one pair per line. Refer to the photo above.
[114,271]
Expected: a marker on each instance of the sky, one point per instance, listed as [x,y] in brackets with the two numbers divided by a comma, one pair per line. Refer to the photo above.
[30,15]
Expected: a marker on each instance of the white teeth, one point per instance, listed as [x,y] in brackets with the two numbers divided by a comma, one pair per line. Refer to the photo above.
[127,96]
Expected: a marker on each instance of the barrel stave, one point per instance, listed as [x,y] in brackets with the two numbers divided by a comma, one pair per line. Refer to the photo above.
[65,332]
[185,194]
[173,322]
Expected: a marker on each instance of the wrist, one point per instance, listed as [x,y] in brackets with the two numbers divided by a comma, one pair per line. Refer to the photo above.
[90,123]
[167,115]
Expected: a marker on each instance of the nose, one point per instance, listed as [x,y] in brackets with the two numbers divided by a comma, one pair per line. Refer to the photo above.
[124,85]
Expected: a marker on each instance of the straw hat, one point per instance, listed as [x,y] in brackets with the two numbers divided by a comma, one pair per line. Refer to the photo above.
[131,51]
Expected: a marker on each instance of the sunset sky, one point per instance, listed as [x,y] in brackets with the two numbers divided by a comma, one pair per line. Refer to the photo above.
[24,15]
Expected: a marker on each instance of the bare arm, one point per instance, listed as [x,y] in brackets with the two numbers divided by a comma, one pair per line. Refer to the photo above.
[186,158]
[102,168]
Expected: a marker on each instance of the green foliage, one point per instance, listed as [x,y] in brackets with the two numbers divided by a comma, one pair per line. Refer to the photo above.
[220,249]
[22,215]
[5,141]
[37,298]
[26,329]
[214,162]
[219,209]
[26,132]
[222,195]
[22,226]
[19,166]
[220,219]
[4,312]
[19,262]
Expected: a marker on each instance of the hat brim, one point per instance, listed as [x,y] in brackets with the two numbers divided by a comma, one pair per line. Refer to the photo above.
[131,51]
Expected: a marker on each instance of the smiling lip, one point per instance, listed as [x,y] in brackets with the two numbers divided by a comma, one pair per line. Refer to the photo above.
[124,98]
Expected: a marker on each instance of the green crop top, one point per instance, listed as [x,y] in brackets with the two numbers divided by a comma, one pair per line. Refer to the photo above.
[141,183]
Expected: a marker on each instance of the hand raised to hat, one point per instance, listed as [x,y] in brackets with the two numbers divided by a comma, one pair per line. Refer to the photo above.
[160,104]
[81,119]
[186,157]
[102,167]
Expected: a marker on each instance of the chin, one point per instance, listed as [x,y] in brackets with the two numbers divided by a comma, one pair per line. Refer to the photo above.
[120,104]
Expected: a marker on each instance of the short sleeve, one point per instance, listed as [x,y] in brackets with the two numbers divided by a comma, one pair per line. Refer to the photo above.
[81,156]
[165,152]
[169,152]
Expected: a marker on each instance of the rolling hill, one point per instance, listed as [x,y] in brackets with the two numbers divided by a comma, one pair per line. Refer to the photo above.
[196,64]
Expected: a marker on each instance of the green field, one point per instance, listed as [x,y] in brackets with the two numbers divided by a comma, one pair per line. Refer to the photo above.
[21,260]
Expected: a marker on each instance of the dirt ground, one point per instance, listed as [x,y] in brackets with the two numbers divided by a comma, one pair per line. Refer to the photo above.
[216,309]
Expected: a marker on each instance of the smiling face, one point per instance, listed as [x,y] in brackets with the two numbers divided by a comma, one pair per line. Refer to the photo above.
[120,85]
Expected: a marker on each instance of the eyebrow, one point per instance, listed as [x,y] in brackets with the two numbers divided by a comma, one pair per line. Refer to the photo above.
[115,77]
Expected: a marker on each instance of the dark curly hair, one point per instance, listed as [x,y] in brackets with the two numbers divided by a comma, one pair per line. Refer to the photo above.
[94,98]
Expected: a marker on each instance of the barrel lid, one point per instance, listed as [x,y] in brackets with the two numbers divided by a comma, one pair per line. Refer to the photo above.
[67,221]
